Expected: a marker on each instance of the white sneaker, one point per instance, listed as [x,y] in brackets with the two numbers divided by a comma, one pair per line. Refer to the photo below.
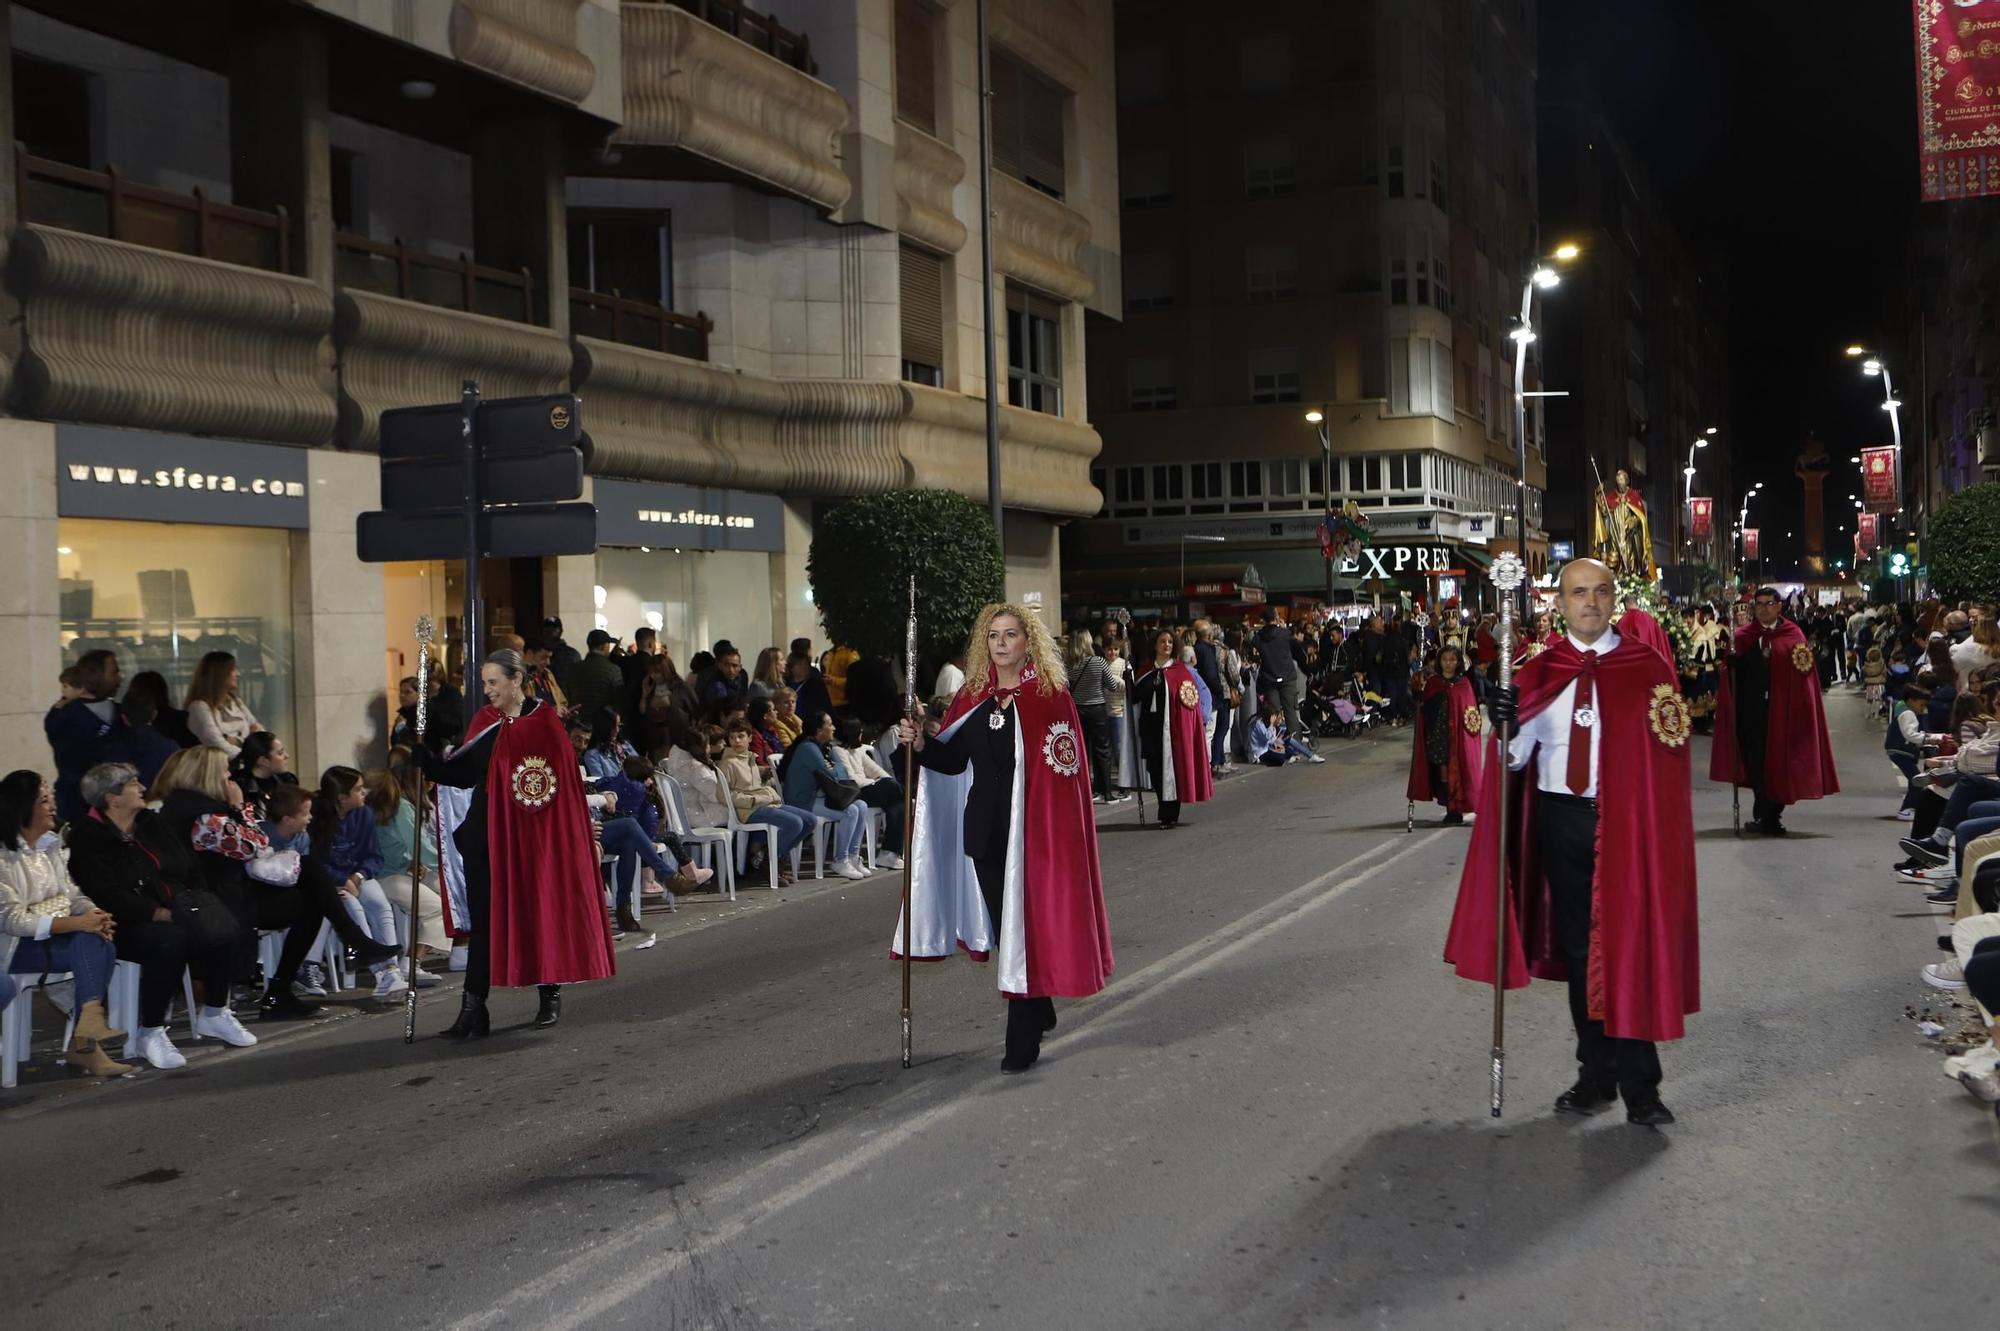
[1906,815]
[847,868]
[422,978]
[1978,1061]
[1315,759]
[310,982]
[219,1023]
[1944,975]
[389,980]
[154,1046]
[458,958]
[888,859]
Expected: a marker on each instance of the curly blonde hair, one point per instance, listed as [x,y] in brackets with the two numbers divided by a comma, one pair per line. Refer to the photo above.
[1043,653]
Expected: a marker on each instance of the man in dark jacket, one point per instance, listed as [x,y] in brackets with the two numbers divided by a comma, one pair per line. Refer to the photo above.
[597,682]
[1281,668]
[87,729]
[1208,665]
[563,658]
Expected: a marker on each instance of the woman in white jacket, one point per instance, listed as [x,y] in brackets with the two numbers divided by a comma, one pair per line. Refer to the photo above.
[1980,650]
[215,714]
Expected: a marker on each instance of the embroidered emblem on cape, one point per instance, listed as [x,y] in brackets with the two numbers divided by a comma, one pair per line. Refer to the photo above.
[1470,719]
[1189,698]
[1585,716]
[997,719]
[534,782]
[1672,720]
[1060,751]
[1802,658]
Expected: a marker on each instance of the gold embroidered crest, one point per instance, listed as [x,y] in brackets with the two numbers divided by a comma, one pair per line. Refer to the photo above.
[1802,658]
[1672,721]
[1470,720]
[534,782]
[1189,696]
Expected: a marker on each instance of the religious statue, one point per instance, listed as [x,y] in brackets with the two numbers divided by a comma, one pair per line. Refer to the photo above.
[1622,535]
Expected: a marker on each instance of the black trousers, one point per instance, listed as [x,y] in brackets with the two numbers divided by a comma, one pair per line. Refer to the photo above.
[478,941]
[1096,718]
[885,794]
[1763,809]
[1027,1018]
[1568,829]
[161,951]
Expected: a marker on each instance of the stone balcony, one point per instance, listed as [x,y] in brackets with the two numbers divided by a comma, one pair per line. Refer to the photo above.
[1039,240]
[529,42]
[927,173]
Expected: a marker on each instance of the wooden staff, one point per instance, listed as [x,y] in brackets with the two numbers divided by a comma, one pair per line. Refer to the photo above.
[909,799]
[1508,573]
[1131,739]
[425,632]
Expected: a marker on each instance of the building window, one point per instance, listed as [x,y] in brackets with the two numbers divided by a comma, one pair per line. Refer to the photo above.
[1287,483]
[1269,167]
[1406,471]
[1364,477]
[1128,489]
[1392,160]
[52,111]
[1264,63]
[1205,487]
[1142,76]
[1272,272]
[1145,178]
[1149,383]
[1034,353]
[1440,194]
[1440,280]
[627,251]
[921,279]
[1149,281]
[1246,487]
[1399,280]
[1027,125]
[1169,490]
[1274,374]
[916,65]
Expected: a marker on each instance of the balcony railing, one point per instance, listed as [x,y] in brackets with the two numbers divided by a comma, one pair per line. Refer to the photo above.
[638,323]
[759,30]
[105,203]
[429,279]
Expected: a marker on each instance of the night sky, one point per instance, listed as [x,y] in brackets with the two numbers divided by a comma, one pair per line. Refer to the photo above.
[1783,137]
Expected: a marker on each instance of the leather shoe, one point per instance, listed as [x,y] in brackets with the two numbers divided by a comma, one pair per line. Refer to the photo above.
[550,1010]
[283,1005]
[1586,1097]
[1649,1113]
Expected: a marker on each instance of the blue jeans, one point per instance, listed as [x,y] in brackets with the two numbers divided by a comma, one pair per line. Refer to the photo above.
[1966,792]
[624,838]
[1906,763]
[1980,819]
[792,824]
[847,825]
[87,956]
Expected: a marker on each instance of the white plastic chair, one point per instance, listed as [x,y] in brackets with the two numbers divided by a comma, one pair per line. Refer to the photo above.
[742,832]
[121,1004]
[17,1026]
[704,841]
[822,826]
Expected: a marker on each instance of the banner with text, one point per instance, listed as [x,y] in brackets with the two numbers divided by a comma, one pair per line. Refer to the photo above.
[1958,97]
[1866,533]
[1749,543]
[1701,513]
[1879,487]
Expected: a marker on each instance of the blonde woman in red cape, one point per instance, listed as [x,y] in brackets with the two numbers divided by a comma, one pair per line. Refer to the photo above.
[1003,855]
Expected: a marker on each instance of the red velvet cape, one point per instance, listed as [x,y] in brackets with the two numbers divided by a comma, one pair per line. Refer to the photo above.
[1194,783]
[1067,931]
[1637,624]
[1461,794]
[546,920]
[1644,947]
[1798,759]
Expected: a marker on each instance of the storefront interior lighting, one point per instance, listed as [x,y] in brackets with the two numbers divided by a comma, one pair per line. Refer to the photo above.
[64,550]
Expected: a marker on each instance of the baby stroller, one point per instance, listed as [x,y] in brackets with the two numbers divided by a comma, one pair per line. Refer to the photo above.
[1358,708]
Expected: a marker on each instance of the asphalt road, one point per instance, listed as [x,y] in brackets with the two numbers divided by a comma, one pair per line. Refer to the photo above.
[1274,1117]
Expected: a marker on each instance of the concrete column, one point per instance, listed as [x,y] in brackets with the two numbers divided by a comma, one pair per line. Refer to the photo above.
[793,614]
[10,206]
[520,212]
[569,592]
[278,134]
[30,622]
[1034,563]
[337,621]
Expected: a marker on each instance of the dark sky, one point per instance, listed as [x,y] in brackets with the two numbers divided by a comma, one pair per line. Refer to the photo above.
[1783,137]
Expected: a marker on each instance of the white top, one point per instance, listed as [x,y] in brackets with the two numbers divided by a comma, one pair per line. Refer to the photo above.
[225,727]
[949,681]
[1114,692]
[1550,731]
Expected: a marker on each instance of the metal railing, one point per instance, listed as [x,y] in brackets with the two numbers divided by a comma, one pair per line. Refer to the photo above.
[638,323]
[105,203]
[395,269]
[759,30]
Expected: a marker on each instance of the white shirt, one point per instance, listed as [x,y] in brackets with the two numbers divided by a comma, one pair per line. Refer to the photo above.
[1550,731]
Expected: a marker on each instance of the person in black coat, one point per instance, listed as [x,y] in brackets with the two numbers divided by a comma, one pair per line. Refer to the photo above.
[169,720]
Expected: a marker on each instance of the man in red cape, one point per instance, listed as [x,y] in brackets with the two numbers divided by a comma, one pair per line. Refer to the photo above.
[1003,852]
[532,889]
[1600,863]
[1449,723]
[1770,725]
[1163,709]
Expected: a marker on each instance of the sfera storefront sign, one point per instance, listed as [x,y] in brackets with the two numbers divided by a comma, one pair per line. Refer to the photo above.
[145,477]
[634,513]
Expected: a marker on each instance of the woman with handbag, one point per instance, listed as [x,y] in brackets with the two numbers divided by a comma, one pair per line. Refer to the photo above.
[122,854]
[814,780]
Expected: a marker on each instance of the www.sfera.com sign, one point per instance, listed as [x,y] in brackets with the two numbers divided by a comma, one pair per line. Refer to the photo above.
[146,477]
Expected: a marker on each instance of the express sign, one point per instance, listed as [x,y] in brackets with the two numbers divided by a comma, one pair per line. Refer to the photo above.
[1391,561]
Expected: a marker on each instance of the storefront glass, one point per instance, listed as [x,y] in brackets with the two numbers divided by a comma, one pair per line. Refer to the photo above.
[690,597]
[162,595]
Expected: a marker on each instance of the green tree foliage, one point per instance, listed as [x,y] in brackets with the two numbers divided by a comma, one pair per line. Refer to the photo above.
[863,553]
[1965,545]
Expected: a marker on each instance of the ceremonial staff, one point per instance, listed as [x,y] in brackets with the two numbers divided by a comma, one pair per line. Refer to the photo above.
[425,631]
[1508,574]
[1129,743]
[1423,651]
[909,796]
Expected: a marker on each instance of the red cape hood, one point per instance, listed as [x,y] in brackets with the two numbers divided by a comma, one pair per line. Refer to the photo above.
[1798,759]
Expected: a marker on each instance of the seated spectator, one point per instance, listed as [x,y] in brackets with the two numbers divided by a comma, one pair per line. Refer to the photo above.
[150,748]
[216,715]
[631,831]
[752,790]
[766,740]
[541,677]
[814,780]
[768,675]
[785,716]
[122,854]
[48,924]
[705,790]
[86,728]
[343,845]
[666,706]
[724,680]
[879,789]
[444,715]
[607,751]
[168,719]
[408,863]
[1271,745]
[261,766]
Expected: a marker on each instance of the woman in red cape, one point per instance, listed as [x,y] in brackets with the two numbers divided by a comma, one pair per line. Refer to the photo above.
[1444,759]
[1163,708]
[1797,758]
[533,889]
[1003,853]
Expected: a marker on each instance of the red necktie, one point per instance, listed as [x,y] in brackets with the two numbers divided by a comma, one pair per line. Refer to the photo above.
[1579,734]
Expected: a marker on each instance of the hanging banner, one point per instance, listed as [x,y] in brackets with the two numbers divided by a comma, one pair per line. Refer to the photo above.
[1958,98]
[1701,513]
[1749,543]
[1879,487]
[1865,535]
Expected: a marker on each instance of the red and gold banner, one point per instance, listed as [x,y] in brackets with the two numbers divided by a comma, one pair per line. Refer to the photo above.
[1879,487]
[1958,97]
[1749,543]
[1701,519]
[1866,533]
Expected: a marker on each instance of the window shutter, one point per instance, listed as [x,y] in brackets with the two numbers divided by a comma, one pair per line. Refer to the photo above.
[1006,111]
[921,277]
[1043,104]
[916,72]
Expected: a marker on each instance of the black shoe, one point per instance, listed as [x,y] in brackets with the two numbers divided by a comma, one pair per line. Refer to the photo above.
[474,1022]
[550,1011]
[1772,827]
[1452,820]
[1908,866]
[284,1005]
[1017,1062]
[1049,1022]
[1927,851]
[1649,1113]
[1945,896]
[1586,1097]
[371,953]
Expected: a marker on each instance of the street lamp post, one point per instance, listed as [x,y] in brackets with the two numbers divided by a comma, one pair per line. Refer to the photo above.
[1687,497]
[1318,418]
[1544,276]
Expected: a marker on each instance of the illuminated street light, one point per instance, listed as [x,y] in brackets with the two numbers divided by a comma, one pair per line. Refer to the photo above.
[1547,277]
[1566,252]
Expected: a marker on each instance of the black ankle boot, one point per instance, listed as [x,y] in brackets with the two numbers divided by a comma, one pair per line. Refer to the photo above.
[550,1011]
[474,1023]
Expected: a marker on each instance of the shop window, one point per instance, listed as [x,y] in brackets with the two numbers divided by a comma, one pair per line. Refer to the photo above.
[1027,125]
[162,595]
[1034,353]
[916,65]
[920,278]
[1269,167]
[1274,374]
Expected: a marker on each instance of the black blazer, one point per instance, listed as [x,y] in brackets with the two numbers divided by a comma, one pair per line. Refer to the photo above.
[989,807]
